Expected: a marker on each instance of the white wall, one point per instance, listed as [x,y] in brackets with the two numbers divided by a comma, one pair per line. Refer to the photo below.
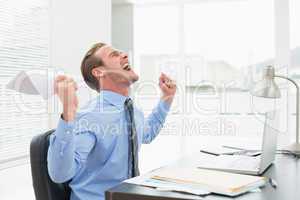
[122,27]
[75,26]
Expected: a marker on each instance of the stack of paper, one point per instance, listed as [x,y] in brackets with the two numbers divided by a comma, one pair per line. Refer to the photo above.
[146,180]
[218,150]
[209,180]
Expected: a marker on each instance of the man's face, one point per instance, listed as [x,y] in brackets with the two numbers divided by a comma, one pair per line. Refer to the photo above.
[117,67]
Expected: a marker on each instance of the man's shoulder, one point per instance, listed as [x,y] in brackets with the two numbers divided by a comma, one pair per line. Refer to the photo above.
[97,105]
[96,113]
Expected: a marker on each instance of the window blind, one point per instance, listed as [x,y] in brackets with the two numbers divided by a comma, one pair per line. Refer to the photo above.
[24,45]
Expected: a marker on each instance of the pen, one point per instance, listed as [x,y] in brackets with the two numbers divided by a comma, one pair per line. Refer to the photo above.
[273,183]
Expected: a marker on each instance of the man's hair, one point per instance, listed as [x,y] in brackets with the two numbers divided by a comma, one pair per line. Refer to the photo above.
[89,62]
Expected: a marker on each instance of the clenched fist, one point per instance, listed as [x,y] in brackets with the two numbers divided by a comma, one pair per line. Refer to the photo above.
[65,88]
[168,88]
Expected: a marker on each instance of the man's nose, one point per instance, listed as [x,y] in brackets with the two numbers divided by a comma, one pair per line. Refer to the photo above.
[124,55]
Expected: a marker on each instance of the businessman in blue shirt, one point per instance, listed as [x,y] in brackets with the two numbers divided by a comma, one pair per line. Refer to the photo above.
[97,147]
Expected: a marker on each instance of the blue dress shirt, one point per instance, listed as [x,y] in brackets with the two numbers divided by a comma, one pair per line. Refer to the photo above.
[92,150]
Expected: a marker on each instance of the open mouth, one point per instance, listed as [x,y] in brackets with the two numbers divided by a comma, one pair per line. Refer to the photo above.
[126,67]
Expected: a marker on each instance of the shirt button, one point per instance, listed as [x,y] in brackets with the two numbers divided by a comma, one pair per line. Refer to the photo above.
[68,132]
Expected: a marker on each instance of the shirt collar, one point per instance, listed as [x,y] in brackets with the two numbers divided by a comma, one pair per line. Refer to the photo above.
[113,98]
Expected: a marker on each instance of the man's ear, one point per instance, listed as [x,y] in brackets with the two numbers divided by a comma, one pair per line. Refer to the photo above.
[97,72]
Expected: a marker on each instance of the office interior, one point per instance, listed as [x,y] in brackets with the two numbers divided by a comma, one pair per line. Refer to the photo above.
[215,51]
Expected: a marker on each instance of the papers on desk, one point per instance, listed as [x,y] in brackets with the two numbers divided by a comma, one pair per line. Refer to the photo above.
[199,181]
[161,185]
[226,150]
[225,183]
[219,150]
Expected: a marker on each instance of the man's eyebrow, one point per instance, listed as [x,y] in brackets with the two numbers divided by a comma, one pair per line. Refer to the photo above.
[115,51]
[112,52]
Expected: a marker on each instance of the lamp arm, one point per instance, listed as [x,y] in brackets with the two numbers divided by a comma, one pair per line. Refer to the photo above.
[297,104]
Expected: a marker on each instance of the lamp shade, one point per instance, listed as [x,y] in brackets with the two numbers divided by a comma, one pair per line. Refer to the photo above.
[266,87]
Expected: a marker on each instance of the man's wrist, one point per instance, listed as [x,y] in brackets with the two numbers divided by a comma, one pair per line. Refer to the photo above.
[65,129]
[67,118]
[68,115]
[167,99]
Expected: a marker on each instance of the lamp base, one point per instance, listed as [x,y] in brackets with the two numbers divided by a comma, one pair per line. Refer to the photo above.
[294,148]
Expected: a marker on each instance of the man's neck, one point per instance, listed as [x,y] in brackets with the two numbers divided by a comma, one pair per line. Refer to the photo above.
[120,90]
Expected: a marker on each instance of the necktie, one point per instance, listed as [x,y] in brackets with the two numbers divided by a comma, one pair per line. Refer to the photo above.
[133,143]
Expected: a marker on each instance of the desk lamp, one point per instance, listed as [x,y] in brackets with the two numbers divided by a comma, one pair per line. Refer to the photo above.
[267,88]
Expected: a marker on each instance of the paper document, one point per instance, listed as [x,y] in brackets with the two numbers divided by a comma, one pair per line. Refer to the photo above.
[146,180]
[214,181]
[37,82]
[218,150]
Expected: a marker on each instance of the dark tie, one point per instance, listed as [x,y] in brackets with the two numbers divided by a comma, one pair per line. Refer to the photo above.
[133,143]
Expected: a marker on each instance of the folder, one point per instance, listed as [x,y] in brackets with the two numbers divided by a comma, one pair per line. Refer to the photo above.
[218,182]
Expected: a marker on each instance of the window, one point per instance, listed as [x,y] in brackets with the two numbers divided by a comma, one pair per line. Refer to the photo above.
[156,29]
[294,70]
[24,45]
[294,24]
[205,44]
[230,37]
[216,51]
[295,38]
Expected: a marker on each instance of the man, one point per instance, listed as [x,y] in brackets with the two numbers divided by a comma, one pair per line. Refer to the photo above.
[97,147]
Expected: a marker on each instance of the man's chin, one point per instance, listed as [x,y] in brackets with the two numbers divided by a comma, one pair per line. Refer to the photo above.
[135,78]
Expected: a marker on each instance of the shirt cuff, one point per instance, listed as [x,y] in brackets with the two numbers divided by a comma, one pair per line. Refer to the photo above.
[64,130]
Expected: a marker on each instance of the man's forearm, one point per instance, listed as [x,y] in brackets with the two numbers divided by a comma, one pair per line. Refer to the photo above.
[61,153]
[155,121]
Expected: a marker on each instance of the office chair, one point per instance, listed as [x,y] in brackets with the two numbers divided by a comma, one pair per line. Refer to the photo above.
[44,187]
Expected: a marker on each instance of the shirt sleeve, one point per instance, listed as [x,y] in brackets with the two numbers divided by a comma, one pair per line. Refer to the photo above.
[65,154]
[155,121]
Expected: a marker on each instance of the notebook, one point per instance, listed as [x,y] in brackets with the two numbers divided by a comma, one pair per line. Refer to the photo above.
[218,182]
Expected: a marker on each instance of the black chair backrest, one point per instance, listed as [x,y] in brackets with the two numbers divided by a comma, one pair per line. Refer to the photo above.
[44,187]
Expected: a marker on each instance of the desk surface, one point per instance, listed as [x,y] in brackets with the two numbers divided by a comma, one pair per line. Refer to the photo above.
[286,171]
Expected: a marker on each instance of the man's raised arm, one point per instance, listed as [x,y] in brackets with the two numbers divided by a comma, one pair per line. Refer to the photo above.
[156,119]
[63,159]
